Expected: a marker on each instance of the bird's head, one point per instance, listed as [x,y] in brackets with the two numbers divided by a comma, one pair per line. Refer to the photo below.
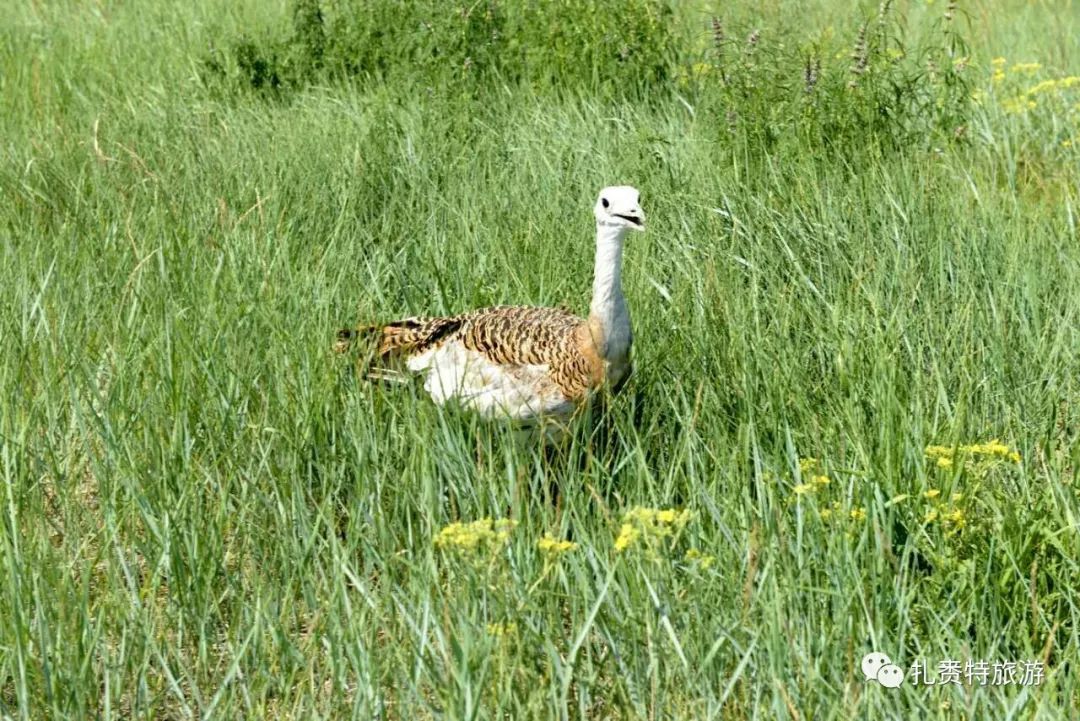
[620,206]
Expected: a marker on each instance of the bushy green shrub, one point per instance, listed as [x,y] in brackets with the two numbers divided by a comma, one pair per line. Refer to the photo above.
[839,90]
[867,84]
[608,47]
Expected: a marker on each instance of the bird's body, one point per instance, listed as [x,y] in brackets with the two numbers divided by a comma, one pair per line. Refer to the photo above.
[522,363]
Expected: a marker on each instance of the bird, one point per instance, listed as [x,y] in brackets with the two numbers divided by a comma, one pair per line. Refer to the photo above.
[534,366]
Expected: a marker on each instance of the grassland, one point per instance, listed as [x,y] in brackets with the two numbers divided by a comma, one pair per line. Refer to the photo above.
[206,514]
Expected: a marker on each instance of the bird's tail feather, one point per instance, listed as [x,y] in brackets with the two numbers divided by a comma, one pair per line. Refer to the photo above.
[392,339]
[385,346]
[346,337]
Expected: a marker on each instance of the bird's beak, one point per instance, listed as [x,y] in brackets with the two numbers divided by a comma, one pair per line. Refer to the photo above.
[636,219]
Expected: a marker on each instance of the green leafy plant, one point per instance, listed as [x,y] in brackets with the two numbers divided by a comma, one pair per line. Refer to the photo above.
[877,86]
[549,45]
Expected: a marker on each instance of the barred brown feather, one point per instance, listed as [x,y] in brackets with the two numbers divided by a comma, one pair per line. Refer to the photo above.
[505,335]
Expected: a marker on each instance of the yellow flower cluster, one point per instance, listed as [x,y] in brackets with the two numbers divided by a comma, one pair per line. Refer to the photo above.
[999,69]
[978,461]
[1047,86]
[650,525]
[816,481]
[1026,99]
[1018,105]
[483,534]
[553,547]
[810,469]
[694,72]
[951,516]
[1025,68]
[702,560]
[836,510]
[982,454]
[500,630]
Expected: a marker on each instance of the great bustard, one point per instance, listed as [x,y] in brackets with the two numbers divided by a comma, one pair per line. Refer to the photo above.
[523,363]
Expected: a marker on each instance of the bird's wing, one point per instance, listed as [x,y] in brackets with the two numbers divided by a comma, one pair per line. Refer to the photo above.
[513,361]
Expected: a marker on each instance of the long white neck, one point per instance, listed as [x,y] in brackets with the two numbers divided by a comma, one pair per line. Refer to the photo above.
[608,308]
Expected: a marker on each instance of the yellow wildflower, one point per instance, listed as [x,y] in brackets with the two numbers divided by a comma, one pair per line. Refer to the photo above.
[803,488]
[499,630]
[1043,87]
[999,75]
[628,535]
[660,517]
[931,516]
[553,547]
[486,533]
[650,525]
[932,493]
[807,464]
[990,448]
[956,518]
[1059,84]
[993,450]
[694,555]
[858,514]
[820,480]
[998,62]
[1026,68]
[956,497]
[1018,105]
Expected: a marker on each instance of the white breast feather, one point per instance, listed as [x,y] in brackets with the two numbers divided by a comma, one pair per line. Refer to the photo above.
[518,392]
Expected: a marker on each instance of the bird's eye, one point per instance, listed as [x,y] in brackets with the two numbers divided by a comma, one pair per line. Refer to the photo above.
[603,202]
[638,201]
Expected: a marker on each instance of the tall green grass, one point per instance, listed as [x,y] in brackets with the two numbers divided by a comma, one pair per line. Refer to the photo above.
[208,514]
